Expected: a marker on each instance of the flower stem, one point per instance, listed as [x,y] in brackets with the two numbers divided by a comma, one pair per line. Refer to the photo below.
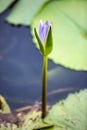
[44,85]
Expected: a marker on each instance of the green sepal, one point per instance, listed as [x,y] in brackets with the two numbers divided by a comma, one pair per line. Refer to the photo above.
[39,42]
[49,42]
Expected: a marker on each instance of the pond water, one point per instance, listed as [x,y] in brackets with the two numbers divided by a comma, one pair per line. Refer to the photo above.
[21,69]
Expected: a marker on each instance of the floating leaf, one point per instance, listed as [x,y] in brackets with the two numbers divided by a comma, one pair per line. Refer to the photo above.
[69,20]
[33,121]
[70,114]
[4,107]
[9,127]
[4,4]
[24,11]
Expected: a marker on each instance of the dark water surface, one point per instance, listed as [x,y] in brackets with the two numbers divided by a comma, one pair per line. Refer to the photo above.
[21,69]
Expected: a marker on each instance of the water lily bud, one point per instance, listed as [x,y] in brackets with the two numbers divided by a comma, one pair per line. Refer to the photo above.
[44,37]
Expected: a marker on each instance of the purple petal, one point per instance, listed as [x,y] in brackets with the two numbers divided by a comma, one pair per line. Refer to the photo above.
[41,27]
[46,28]
[43,30]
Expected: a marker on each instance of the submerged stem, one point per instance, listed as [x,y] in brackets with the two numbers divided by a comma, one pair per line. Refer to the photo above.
[44,85]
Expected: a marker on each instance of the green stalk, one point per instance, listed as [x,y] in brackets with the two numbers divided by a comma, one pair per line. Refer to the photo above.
[44,85]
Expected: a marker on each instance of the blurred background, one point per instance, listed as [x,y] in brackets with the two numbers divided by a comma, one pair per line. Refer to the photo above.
[21,69]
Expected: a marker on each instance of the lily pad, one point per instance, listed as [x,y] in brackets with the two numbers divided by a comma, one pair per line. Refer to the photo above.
[24,11]
[33,121]
[70,114]
[4,107]
[4,4]
[69,19]
[8,127]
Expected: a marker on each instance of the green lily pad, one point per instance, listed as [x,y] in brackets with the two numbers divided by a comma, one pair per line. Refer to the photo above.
[33,121]
[4,4]
[9,127]
[69,19]
[24,11]
[4,107]
[70,114]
